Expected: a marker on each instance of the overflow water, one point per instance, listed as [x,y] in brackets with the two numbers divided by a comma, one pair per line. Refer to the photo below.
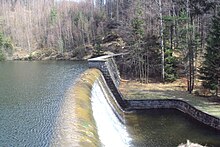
[111,131]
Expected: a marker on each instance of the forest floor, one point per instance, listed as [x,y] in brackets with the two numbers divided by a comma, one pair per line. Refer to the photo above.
[177,90]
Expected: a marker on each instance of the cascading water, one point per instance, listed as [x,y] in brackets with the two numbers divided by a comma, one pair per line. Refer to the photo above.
[110,129]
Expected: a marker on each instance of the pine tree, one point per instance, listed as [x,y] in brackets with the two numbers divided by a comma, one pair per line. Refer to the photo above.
[210,71]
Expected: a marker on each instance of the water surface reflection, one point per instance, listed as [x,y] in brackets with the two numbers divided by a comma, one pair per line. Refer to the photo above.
[31,94]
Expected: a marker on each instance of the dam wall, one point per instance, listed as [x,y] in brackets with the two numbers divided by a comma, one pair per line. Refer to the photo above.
[108,67]
[96,112]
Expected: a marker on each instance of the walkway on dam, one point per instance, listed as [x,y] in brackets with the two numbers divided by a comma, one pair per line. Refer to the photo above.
[138,91]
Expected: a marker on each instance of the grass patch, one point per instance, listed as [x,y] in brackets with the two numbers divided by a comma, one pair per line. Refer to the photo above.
[133,90]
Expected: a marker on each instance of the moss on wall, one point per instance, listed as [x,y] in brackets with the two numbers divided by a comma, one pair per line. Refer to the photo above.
[86,127]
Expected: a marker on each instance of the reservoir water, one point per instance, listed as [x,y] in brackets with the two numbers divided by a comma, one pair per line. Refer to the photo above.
[31,95]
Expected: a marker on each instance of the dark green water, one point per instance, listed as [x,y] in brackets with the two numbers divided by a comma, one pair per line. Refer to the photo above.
[31,95]
[168,128]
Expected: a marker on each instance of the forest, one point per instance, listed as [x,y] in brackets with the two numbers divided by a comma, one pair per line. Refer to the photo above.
[164,39]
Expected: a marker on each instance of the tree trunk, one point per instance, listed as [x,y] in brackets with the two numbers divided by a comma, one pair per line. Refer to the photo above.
[218,86]
[161,42]
[190,50]
[117,10]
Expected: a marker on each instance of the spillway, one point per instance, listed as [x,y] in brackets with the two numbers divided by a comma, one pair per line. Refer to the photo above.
[90,116]
[111,130]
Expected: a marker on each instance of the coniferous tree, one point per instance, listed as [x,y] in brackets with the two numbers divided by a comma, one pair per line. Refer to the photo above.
[210,71]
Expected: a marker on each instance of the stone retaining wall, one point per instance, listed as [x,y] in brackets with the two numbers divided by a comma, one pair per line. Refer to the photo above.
[175,104]
[107,66]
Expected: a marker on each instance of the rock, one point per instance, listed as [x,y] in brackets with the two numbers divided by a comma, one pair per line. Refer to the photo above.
[36,54]
[87,57]
[44,54]
[82,52]
[59,56]
[190,144]
[74,59]
[46,58]
[53,57]
[66,55]
[26,58]
[20,54]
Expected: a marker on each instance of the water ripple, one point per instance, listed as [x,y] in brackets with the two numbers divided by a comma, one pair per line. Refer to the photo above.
[32,94]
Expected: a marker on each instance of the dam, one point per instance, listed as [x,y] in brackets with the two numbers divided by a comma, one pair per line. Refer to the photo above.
[107,65]
[114,121]
[77,106]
